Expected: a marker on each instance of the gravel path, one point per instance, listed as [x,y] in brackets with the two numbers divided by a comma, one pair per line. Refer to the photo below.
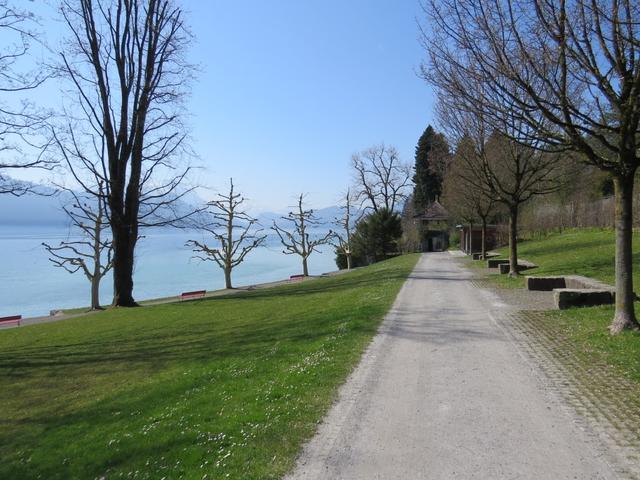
[443,392]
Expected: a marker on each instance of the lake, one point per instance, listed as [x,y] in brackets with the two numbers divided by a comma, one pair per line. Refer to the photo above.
[31,286]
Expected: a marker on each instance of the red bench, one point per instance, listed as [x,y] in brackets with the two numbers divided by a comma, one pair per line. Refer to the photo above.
[294,278]
[13,320]
[190,295]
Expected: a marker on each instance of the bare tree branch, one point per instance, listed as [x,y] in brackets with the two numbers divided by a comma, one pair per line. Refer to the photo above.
[125,62]
[297,240]
[88,216]
[234,230]
[381,179]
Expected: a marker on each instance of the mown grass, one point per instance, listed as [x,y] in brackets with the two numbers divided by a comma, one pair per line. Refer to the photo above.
[228,387]
[588,252]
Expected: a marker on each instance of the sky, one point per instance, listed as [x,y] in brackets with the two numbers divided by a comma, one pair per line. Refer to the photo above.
[288,90]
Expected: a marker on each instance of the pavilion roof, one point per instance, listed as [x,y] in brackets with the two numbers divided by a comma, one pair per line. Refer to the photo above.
[434,212]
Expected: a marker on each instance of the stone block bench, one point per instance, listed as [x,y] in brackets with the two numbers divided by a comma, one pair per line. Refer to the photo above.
[522,265]
[496,262]
[574,290]
[478,256]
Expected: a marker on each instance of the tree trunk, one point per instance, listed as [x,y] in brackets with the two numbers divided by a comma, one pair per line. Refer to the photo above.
[348,261]
[123,258]
[470,246]
[227,278]
[484,237]
[305,269]
[95,292]
[625,317]
[513,241]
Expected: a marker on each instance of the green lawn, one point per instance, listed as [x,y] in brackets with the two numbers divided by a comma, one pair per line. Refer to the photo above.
[222,388]
[588,252]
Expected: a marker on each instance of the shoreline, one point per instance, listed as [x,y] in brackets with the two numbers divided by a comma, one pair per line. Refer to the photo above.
[74,313]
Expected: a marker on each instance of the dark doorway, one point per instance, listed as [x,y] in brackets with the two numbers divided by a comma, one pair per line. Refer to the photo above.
[430,245]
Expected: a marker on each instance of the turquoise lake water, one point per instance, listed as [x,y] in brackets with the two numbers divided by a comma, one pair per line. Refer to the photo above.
[31,286]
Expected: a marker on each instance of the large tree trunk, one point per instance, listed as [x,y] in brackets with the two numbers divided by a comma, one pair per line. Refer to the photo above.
[348,261]
[123,258]
[625,317]
[305,269]
[95,292]
[513,240]
[227,277]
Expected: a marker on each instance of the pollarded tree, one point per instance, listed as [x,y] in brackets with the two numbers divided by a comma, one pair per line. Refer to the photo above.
[125,62]
[234,230]
[345,225]
[432,158]
[297,239]
[381,180]
[91,254]
[568,72]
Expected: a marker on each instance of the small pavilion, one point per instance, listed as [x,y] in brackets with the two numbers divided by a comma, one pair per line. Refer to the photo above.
[433,225]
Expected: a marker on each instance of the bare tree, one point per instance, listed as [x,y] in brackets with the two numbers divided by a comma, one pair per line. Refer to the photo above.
[381,179]
[464,198]
[570,72]
[298,240]
[505,170]
[20,122]
[126,65]
[234,230]
[345,223]
[89,217]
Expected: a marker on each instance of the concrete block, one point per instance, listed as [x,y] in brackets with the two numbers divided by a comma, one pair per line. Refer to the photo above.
[581,297]
[545,284]
[522,265]
[495,262]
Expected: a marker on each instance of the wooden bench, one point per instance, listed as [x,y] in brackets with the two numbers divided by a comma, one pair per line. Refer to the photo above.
[191,295]
[10,321]
[296,278]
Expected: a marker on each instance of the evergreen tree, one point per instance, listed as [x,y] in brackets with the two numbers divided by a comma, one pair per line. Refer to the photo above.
[432,157]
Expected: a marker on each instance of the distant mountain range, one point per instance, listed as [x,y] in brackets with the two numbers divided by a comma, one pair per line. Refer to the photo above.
[325,215]
[47,211]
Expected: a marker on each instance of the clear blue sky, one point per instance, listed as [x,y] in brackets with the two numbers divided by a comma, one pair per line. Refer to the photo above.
[288,90]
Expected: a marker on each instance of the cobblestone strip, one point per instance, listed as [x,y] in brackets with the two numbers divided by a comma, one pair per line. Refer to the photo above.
[607,404]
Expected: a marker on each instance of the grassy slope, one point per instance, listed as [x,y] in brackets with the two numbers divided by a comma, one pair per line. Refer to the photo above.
[221,388]
[591,253]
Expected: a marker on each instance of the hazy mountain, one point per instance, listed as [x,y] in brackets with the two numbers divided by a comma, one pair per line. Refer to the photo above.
[33,209]
[46,210]
[326,215]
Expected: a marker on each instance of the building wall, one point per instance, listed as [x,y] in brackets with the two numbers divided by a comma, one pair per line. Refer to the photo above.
[474,245]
